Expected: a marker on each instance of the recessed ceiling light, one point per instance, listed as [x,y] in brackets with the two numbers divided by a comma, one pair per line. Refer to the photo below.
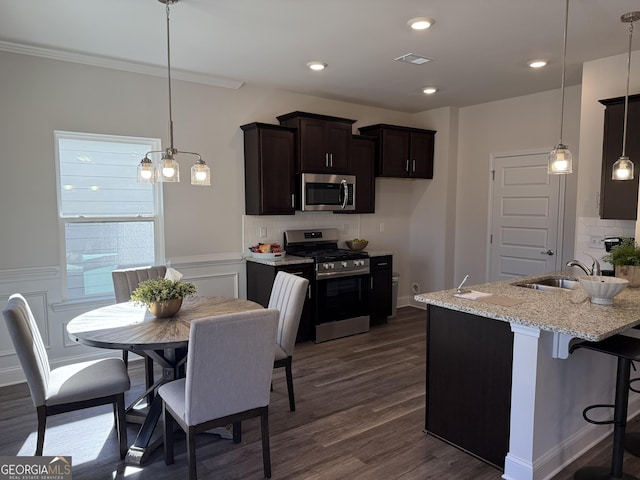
[317,66]
[537,63]
[420,23]
[429,90]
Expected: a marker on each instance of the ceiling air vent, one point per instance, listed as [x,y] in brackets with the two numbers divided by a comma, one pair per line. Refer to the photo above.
[413,58]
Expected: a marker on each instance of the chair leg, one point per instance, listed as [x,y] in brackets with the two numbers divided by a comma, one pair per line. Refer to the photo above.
[168,435]
[121,425]
[42,425]
[191,453]
[266,452]
[237,432]
[289,374]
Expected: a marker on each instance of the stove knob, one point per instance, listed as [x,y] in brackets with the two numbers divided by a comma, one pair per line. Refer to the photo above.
[326,266]
[345,264]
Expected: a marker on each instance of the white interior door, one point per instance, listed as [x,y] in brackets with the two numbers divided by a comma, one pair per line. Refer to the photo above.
[525,220]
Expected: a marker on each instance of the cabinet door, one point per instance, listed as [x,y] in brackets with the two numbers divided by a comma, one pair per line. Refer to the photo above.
[393,159]
[363,152]
[338,146]
[313,154]
[381,289]
[421,155]
[619,199]
[269,170]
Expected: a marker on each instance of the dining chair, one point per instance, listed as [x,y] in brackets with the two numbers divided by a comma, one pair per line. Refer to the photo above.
[287,295]
[229,368]
[68,388]
[125,281]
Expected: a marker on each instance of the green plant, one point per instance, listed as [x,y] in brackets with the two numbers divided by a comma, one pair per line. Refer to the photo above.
[627,253]
[161,290]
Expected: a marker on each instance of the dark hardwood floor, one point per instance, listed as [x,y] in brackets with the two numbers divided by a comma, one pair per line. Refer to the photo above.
[359,415]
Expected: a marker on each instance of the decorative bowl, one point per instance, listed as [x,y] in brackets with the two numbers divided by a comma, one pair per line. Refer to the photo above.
[360,245]
[165,309]
[602,289]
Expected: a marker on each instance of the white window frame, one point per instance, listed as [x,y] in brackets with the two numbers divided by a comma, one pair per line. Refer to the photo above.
[157,218]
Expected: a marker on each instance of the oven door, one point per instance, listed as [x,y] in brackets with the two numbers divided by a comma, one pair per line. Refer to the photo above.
[342,298]
[328,192]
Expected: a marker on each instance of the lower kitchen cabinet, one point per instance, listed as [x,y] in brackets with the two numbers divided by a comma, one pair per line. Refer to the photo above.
[260,278]
[468,388]
[380,288]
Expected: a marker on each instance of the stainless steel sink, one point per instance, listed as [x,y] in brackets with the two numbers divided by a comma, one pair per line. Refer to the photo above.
[551,283]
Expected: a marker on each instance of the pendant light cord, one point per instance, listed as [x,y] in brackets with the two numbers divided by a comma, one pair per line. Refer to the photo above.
[169,81]
[626,98]
[564,59]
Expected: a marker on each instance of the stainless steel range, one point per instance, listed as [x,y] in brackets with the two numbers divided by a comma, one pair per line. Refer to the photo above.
[341,287]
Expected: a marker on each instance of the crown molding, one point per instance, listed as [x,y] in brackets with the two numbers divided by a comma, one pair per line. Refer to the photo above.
[127,66]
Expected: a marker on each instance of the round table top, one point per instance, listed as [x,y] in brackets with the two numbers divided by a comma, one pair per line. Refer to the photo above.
[132,327]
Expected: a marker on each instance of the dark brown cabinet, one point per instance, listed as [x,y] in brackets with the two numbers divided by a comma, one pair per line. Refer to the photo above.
[323,142]
[619,199]
[380,288]
[468,396]
[269,162]
[260,278]
[403,152]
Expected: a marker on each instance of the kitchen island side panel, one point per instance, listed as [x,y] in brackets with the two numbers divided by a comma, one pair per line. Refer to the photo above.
[468,382]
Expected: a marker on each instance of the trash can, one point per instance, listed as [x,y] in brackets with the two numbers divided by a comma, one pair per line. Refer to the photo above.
[395,278]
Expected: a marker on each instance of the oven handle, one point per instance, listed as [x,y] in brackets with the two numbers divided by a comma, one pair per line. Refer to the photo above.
[345,191]
[342,274]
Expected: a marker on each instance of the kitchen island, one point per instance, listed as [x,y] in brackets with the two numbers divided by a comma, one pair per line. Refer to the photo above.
[507,356]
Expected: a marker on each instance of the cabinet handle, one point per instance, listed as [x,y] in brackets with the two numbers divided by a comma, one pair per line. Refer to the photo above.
[300,274]
[293,201]
[382,264]
[309,292]
[371,283]
[414,166]
[326,159]
[407,166]
[331,160]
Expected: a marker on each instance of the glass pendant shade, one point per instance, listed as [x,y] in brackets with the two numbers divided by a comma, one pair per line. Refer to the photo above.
[560,160]
[168,169]
[200,174]
[146,171]
[622,169]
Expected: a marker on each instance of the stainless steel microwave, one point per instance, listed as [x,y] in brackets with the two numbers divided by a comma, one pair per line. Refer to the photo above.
[327,192]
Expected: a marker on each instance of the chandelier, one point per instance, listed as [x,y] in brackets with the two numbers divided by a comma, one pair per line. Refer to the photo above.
[168,169]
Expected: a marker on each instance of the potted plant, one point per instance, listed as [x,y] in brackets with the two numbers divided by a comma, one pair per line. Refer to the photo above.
[625,258]
[163,297]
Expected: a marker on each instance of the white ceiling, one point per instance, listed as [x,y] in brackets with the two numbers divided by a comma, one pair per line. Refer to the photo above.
[480,48]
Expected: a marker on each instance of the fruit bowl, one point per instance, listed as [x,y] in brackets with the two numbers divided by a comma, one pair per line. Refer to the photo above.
[357,244]
[602,289]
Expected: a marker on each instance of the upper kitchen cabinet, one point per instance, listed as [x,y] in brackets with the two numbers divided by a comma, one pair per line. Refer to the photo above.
[363,151]
[269,162]
[403,152]
[619,199]
[323,142]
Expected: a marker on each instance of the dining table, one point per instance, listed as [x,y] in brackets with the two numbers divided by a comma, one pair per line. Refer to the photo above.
[130,326]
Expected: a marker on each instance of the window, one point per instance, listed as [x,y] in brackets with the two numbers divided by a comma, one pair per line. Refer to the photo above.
[107,219]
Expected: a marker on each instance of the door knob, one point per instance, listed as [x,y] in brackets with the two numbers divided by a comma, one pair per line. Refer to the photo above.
[548,252]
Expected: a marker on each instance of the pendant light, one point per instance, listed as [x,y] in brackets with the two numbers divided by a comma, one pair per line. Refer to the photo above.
[168,169]
[560,158]
[623,168]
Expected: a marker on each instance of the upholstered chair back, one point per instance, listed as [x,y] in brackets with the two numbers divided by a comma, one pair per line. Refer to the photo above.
[29,346]
[125,281]
[229,364]
[287,295]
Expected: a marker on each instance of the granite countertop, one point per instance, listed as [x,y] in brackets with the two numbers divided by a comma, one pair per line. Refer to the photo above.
[561,311]
[281,261]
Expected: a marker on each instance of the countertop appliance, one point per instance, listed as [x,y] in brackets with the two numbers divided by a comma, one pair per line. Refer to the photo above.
[325,192]
[341,287]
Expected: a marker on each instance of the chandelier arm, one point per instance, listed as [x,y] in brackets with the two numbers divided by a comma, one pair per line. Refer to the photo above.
[189,153]
[146,155]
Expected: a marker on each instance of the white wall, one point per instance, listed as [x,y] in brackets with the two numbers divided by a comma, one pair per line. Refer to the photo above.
[525,123]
